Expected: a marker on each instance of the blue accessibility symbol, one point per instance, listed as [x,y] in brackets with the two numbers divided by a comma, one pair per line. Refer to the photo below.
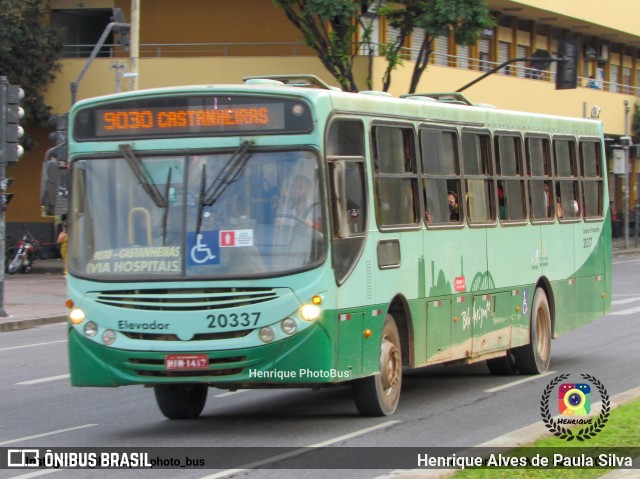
[203,248]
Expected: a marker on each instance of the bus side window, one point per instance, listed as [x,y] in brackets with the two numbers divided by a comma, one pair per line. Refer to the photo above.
[441,177]
[476,155]
[510,172]
[348,199]
[592,179]
[395,176]
[566,169]
[541,196]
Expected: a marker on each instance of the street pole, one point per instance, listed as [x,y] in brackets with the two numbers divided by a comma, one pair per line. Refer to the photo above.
[4,87]
[94,53]
[627,109]
[135,43]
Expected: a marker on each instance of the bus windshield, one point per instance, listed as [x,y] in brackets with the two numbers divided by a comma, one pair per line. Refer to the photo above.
[240,213]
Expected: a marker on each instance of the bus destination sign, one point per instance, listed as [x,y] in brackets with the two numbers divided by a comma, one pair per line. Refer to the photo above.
[191,116]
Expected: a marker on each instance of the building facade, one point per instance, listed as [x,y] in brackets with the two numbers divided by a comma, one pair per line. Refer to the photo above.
[221,41]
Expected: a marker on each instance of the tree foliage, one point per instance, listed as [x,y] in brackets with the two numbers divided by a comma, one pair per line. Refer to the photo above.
[331,28]
[29,53]
[465,18]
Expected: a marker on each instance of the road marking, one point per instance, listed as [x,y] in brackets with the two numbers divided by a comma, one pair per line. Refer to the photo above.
[31,345]
[231,393]
[299,451]
[44,434]
[625,261]
[42,380]
[519,381]
[35,474]
[625,311]
[617,302]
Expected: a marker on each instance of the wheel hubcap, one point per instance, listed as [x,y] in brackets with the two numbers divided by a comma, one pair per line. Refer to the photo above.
[389,364]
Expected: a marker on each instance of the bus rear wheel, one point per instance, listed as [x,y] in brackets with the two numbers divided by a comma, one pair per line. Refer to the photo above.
[181,401]
[534,357]
[503,366]
[379,395]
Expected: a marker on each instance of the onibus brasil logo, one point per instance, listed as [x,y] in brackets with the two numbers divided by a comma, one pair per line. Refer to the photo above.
[573,403]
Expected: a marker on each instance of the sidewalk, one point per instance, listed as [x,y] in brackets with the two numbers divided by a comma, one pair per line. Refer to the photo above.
[35,298]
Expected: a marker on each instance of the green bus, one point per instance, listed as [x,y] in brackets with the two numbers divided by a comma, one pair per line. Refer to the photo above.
[283,233]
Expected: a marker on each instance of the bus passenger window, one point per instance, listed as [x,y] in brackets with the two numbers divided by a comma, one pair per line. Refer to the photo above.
[395,178]
[476,152]
[541,193]
[440,177]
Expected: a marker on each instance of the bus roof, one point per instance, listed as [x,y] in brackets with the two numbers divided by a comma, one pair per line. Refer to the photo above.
[448,108]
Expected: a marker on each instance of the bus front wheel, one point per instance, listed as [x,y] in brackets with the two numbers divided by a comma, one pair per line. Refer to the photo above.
[181,401]
[379,395]
[534,357]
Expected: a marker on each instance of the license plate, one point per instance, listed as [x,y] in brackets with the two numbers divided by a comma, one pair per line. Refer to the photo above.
[186,361]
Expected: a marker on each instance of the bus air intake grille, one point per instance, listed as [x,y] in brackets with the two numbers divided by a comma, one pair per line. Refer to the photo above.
[196,337]
[201,299]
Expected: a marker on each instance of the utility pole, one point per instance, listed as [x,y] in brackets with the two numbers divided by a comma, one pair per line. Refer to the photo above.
[4,90]
[626,143]
[135,43]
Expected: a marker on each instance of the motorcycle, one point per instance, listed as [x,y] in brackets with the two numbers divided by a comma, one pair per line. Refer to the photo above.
[24,254]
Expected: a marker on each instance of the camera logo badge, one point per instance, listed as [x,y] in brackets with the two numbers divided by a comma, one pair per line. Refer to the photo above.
[574,417]
[574,399]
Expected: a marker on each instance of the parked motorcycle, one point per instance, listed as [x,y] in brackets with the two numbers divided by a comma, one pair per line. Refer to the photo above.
[24,254]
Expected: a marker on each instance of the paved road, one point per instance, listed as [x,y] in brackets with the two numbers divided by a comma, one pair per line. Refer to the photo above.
[453,406]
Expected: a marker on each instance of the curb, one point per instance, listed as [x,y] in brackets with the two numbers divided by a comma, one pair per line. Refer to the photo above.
[7,324]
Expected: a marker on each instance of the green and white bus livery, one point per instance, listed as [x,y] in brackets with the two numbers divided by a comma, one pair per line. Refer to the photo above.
[270,235]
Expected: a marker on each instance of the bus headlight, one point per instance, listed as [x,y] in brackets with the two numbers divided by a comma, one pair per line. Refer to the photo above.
[288,325]
[266,334]
[76,316]
[90,329]
[108,337]
[310,312]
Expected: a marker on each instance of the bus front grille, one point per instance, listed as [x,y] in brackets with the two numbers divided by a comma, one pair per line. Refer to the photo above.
[201,299]
[196,337]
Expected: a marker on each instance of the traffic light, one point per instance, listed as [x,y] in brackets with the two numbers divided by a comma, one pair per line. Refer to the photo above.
[13,150]
[5,198]
[59,123]
[567,74]
[122,32]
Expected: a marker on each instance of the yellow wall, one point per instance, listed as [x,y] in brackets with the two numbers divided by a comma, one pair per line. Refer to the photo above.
[620,15]
[500,90]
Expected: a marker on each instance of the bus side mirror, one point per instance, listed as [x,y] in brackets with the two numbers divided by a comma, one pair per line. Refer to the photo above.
[49,187]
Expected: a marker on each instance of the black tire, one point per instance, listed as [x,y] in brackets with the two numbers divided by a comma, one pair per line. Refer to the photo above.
[503,366]
[379,395]
[534,357]
[14,265]
[181,401]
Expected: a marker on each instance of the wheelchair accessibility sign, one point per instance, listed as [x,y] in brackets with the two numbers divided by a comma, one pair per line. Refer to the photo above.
[203,248]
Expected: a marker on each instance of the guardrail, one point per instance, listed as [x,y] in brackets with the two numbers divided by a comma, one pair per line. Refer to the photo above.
[162,50]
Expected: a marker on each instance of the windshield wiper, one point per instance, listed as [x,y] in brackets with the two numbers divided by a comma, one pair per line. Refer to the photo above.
[165,215]
[148,185]
[143,176]
[201,197]
[230,173]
